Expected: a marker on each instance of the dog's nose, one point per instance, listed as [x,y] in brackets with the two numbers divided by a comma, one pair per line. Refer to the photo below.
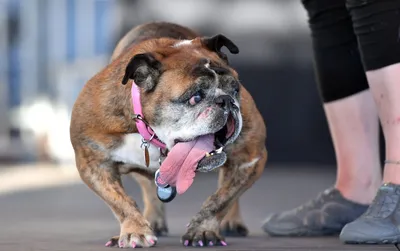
[225,101]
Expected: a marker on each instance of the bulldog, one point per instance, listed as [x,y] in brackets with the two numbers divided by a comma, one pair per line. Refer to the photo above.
[167,87]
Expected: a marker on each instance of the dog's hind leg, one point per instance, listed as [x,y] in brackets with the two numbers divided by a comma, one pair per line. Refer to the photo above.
[154,209]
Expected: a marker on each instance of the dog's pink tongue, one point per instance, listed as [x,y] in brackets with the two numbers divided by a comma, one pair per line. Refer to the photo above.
[178,169]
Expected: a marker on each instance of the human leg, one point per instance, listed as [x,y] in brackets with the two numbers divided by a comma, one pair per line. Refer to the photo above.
[353,124]
[376,24]
[354,128]
[385,86]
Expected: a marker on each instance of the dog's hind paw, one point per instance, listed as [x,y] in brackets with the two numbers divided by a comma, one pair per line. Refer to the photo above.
[160,228]
[233,229]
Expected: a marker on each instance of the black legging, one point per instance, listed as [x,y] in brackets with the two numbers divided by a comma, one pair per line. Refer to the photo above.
[350,37]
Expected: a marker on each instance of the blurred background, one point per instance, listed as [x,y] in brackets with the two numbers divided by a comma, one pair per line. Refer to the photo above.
[50,48]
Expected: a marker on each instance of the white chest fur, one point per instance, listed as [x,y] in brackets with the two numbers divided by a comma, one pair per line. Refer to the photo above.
[130,152]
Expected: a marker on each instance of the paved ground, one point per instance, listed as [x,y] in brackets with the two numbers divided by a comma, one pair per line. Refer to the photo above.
[70,217]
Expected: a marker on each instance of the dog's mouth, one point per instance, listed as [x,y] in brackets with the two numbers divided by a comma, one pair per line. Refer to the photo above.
[204,152]
[220,138]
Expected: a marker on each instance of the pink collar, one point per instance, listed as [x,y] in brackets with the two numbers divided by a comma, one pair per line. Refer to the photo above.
[143,127]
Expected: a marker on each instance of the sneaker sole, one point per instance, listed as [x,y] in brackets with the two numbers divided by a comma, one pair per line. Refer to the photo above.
[300,232]
[387,240]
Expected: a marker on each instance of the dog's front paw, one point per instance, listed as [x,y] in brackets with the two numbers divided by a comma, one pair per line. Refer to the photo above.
[203,234]
[132,240]
[133,235]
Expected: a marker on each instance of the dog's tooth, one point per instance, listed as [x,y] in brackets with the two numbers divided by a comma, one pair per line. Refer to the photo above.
[219,150]
[208,155]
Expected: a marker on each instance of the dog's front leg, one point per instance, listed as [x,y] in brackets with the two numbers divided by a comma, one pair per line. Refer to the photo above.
[232,224]
[203,229]
[154,209]
[105,181]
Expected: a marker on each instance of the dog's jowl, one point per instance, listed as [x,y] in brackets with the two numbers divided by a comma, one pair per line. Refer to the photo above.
[168,92]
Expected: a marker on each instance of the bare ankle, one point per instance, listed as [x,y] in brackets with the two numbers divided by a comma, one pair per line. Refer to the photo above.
[392,172]
[362,193]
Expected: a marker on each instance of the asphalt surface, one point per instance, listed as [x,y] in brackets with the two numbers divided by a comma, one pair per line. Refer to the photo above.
[71,217]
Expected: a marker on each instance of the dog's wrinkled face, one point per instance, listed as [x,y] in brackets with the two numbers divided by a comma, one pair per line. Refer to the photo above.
[191,92]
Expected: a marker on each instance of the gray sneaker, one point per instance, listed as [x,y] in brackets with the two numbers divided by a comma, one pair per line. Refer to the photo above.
[325,215]
[380,224]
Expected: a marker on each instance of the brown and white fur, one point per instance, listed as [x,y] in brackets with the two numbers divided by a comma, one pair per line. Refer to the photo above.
[161,58]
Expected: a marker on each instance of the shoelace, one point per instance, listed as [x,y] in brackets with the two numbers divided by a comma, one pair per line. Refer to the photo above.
[383,204]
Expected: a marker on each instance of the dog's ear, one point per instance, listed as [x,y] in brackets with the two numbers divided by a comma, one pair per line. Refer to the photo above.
[216,42]
[144,69]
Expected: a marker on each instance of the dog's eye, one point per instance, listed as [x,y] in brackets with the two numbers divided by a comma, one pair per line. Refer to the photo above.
[195,99]
[236,92]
